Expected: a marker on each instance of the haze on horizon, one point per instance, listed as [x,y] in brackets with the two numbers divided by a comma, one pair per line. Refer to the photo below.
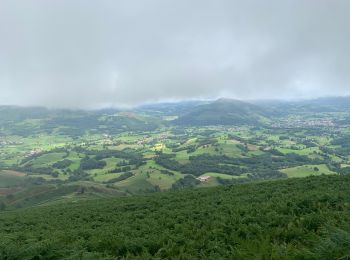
[85,54]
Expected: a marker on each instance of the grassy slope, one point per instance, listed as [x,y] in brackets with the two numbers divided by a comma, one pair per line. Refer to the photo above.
[34,195]
[292,218]
[47,160]
[307,170]
[11,178]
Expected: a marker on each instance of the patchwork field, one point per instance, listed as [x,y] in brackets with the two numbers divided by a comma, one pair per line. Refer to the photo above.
[140,152]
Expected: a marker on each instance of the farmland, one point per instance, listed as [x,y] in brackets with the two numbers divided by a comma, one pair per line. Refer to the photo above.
[156,148]
[175,181]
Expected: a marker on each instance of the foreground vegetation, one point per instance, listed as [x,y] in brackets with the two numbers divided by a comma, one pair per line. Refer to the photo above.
[296,218]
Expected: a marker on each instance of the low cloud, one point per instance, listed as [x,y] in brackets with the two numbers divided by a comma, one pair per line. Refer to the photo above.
[109,53]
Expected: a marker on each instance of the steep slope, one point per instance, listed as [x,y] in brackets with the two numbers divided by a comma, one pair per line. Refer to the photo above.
[291,219]
[223,112]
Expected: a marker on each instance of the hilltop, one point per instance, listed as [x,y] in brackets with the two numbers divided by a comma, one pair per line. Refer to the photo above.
[223,112]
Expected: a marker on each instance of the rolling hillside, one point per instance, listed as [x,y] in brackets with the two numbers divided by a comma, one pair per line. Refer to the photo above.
[23,121]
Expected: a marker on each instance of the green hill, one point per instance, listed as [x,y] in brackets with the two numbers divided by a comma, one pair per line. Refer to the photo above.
[27,121]
[287,219]
[223,112]
[33,195]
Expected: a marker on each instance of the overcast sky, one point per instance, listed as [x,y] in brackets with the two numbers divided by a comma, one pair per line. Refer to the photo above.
[78,53]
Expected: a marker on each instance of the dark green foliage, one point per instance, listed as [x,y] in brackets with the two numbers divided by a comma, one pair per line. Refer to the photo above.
[343,146]
[244,148]
[258,166]
[334,242]
[40,170]
[91,163]
[120,169]
[297,219]
[122,177]
[166,172]
[2,205]
[79,175]
[186,182]
[275,152]
[345,170]
[130,155]
[62,164]
[122,163]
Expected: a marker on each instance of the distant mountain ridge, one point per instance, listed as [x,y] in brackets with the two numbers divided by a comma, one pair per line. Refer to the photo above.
[223,112]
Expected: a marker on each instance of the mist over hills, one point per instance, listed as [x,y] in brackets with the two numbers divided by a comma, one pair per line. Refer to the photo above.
[222,111]
[174,129]
[50,158]
[225,111]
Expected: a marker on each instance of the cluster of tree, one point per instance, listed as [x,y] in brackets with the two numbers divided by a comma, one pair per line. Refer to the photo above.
[79,175]
[243,148]
[342,140]
[178,148]
[122,163]
[133,157]
[191,148]
[121,169]
[186,182]
[37,170]
[344,170]
[197,165]
[30,157]
[258,165]
[236,137]
[122,177]
[342,146]
[308,143]
[88,163]
[274,152]
[62,164]
[166,172]
[206,141]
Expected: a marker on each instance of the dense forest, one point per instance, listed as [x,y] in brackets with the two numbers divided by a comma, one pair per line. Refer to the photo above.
[294,218]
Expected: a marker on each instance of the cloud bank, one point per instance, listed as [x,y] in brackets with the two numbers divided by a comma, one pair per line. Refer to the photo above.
[76,53]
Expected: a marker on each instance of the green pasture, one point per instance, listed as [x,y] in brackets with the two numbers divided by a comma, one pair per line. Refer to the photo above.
[307,170]
[46,160]
[134,184]
[223,176]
